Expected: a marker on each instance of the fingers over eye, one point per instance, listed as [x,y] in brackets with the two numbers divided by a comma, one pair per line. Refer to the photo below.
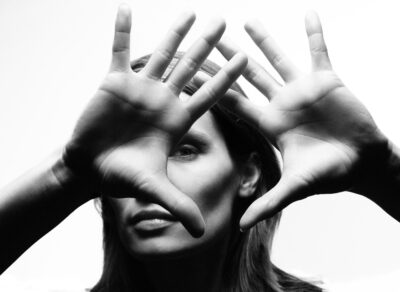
[254,72]
[195,56]
[164,53]
[211,91]
[319,52]
[271,50]
[284,193]
[121,45]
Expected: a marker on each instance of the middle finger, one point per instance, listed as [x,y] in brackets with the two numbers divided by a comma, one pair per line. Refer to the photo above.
[197,53]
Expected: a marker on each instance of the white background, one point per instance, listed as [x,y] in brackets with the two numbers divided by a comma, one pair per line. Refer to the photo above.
[53,55]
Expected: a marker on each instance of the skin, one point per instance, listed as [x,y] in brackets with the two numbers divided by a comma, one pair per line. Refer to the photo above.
[149,116]
[150,119]
[203,169]
[328,140]
[300,119]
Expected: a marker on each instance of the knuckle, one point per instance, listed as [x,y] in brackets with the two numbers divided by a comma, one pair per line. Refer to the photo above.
[209,91]
[190,63]
[264,40]
[164,54]
[277,59]
[253,73]
[121,42]
[319,49]
[178,32]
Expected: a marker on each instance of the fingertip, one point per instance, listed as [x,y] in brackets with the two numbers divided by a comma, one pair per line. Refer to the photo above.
[189,16]
[124,16]
[240,59]
[196,225]
[220,23]
[245,223]
[250,217]
[184,22]
[255,29]
[124,8]
[236,65]
[226,48]
[311,15]
[194,220]
[251,24]
[199,230]
[200,78]
[262,208]
[124,11]
[312,22]
[222,43]
[215,29]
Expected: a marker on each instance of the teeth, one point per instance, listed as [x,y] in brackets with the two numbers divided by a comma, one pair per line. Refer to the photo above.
[157,220]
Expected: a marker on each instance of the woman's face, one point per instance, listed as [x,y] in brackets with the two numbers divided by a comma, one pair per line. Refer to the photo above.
[202,168]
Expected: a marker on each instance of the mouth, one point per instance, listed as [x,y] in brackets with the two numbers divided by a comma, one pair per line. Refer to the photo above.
[152,220]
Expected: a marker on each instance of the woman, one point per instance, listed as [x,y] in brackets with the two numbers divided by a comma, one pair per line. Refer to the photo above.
[223,165]
[151,123]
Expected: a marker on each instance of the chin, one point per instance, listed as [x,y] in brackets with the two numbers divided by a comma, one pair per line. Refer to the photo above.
[170,243]
[174,242]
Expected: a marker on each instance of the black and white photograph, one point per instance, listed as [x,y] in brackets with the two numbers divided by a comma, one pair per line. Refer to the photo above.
[199,146]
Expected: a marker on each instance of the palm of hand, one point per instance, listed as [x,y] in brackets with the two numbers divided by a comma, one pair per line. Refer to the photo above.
[129,122]
[321,130]
[135,119]
[319,127]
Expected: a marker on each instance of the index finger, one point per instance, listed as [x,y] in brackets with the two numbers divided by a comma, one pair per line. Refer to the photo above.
[254,72]
[214,89]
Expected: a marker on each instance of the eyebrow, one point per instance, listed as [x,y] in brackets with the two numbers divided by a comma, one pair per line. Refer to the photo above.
[198,137]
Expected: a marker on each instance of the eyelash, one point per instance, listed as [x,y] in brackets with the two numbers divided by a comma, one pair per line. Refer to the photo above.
[186,151]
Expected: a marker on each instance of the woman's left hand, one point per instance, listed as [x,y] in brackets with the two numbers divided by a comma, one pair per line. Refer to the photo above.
[322,131]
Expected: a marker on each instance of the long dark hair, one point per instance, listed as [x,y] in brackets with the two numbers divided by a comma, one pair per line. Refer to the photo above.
[248,267]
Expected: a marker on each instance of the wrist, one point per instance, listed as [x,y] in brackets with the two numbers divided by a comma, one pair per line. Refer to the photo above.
[75,181]
[378,174]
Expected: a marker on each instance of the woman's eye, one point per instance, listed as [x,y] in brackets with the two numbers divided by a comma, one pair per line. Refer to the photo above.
[186,152]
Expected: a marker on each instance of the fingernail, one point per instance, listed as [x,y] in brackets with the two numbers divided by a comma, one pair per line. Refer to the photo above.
[242,229]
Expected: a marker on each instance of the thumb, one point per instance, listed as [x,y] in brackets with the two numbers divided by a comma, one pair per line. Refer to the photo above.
[286,191]
[157,188]
[179,204]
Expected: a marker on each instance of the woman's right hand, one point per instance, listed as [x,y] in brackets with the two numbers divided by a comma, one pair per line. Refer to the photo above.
[129,128]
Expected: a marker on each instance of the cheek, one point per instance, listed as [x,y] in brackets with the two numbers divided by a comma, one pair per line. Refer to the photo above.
[121,209]
[211,183]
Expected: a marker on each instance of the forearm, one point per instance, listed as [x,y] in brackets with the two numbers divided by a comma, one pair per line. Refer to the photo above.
[382,183]
[34,204]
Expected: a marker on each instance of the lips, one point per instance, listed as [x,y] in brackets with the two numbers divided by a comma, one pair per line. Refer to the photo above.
[151,214]
[152,220]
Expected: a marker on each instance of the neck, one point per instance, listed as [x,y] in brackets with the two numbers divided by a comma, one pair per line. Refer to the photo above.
[200,272]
